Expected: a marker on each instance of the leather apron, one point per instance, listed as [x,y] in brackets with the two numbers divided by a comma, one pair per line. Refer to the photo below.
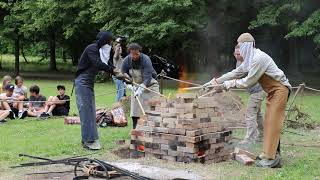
[274,115]
[137,77]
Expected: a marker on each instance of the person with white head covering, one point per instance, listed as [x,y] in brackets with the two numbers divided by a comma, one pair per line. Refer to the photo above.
[93,59]
[259,67]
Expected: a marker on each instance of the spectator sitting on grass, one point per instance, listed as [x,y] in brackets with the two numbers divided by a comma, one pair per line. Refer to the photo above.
[5,80]
[36,108]
[8,103]
[57,105]
[20,91]
[19,88]
[3,115]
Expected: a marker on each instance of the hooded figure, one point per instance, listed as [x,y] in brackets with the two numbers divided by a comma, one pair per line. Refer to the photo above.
[89,65]
[259,67]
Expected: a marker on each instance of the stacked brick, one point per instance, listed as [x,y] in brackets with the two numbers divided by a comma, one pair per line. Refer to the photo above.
[185,129]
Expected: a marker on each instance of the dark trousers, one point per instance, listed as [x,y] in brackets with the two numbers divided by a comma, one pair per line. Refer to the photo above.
[87,112]
[134,122]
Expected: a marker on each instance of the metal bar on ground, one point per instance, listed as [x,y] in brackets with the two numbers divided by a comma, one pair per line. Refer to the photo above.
[123,171]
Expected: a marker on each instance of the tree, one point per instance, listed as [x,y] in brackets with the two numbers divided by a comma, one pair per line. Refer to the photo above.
[160,26]
[298,18]
[12,20]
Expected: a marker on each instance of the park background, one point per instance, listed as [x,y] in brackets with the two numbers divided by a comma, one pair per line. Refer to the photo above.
[42,40]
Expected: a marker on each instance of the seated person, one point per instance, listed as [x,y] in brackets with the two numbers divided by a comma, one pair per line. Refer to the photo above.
[20,91]
[5,80]
[57,105]
[36,108]
[3,115]
[15,108]
[19,88]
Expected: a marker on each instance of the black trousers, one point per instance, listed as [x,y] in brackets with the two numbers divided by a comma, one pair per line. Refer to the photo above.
[134,122]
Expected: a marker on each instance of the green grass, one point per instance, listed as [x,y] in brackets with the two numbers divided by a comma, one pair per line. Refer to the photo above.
[308,103]
[8,61]
[51,138]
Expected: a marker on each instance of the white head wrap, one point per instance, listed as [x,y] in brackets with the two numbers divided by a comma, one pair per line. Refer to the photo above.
[246,51]
[105,53]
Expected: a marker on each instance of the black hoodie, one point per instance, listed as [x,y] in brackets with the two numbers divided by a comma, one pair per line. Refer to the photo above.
[90,62]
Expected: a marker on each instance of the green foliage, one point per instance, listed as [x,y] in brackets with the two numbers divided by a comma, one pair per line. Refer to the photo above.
[299,18]
[151,23]
[310,27]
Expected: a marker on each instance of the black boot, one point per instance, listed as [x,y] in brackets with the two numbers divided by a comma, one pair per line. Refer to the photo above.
[134,122]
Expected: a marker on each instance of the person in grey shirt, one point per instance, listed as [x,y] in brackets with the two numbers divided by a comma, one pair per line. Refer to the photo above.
[117,62]
[254,116]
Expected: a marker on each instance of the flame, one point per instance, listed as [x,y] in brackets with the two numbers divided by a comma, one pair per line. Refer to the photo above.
[183,75]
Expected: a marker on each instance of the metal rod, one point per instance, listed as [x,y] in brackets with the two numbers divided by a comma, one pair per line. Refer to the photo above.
[182,81]
[200,87]
[34,157]
[210,92]
[161,81]
[149,89]
[141,107]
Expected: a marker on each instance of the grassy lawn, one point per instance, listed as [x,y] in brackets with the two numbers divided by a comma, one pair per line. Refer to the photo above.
[7,63]
[51,138]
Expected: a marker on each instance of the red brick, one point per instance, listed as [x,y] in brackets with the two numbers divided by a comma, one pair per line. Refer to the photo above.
[244,159]
[247,153]
[194,133]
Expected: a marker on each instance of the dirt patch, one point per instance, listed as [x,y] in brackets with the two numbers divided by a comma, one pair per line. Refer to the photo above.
[123,151]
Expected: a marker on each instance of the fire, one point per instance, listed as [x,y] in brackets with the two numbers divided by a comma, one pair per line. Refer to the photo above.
[185,77]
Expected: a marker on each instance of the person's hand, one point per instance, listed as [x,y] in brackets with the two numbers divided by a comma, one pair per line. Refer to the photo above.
[117,73]
[229,84]
[118,50]
[130,86]
[212,82]
[127,79]
[140,90]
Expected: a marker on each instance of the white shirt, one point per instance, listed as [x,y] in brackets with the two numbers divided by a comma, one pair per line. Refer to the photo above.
[261,64]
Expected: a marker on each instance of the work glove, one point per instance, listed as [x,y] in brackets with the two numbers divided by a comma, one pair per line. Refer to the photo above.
[140,90]
[117,73]
[229,84]
[130,86]
[210,83]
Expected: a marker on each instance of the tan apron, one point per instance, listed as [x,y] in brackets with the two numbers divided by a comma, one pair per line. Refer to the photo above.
[275,113]
[137,77]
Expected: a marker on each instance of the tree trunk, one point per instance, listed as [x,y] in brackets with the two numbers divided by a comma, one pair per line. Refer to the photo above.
[1,62]
[52,46]
[16,55]
[64,58]
[23,55]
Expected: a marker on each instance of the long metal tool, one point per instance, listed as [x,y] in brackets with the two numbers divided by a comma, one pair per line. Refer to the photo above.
[90,167]
[182,81]
[149,89]
[201,87]
[123,171]
[210,92]
[141,107]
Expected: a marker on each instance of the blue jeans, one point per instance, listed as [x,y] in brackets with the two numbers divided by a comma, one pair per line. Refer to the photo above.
[120,88]
[87,111]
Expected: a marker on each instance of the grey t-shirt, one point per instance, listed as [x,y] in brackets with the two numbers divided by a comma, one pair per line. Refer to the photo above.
[39,98]
[19,91]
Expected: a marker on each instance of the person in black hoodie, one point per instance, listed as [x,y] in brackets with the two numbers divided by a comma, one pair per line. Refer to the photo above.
[89,65]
